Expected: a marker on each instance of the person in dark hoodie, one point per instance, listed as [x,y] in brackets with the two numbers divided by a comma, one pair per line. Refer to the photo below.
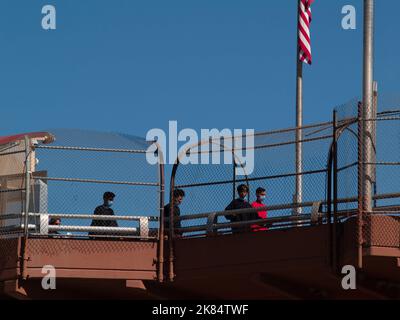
[238,204]
[104,210]
[178,196]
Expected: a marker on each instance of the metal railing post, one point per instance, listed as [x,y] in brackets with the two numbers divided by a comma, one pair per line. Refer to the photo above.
[335,193]
[234,170]
[360,210]
[329,205]
[24,239]
[374,138]
[162,217]
[171,272]
[27,185]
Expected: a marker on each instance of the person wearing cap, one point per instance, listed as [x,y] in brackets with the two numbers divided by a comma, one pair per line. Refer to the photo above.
[238,204]
[104,210]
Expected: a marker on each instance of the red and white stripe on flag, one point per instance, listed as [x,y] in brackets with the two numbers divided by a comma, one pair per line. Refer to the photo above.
[304,31]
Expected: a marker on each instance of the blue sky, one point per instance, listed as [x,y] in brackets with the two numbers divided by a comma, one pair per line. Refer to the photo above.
[133,65]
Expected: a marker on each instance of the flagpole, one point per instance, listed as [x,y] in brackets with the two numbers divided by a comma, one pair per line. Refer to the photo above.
[367,114]
[298,197]
[367,134]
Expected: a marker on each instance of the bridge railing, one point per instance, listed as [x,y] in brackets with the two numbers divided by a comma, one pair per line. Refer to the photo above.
[316,215]
[212,186]
[143,227]
[330,166]
[61,186]
[72,174]
[379,225]
[330,173]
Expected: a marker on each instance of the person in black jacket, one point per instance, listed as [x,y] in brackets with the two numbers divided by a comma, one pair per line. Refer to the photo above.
[241,203]
[104,210]
[178,196]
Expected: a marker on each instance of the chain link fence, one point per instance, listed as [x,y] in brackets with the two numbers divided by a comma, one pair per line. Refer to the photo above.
[64,178]
[12,199]
[383,221]
[12,187]
[73,174]
[14,152]
[211,187]
[379,224]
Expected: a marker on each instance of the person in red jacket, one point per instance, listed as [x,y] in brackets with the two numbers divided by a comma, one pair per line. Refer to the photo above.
[261,194]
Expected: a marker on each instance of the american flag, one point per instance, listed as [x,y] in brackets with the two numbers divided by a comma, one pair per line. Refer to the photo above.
[304,31]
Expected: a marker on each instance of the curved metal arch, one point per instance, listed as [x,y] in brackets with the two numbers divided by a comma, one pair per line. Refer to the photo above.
[171,274]
[331,173]
[223,148]
[337,135]
[161,178]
